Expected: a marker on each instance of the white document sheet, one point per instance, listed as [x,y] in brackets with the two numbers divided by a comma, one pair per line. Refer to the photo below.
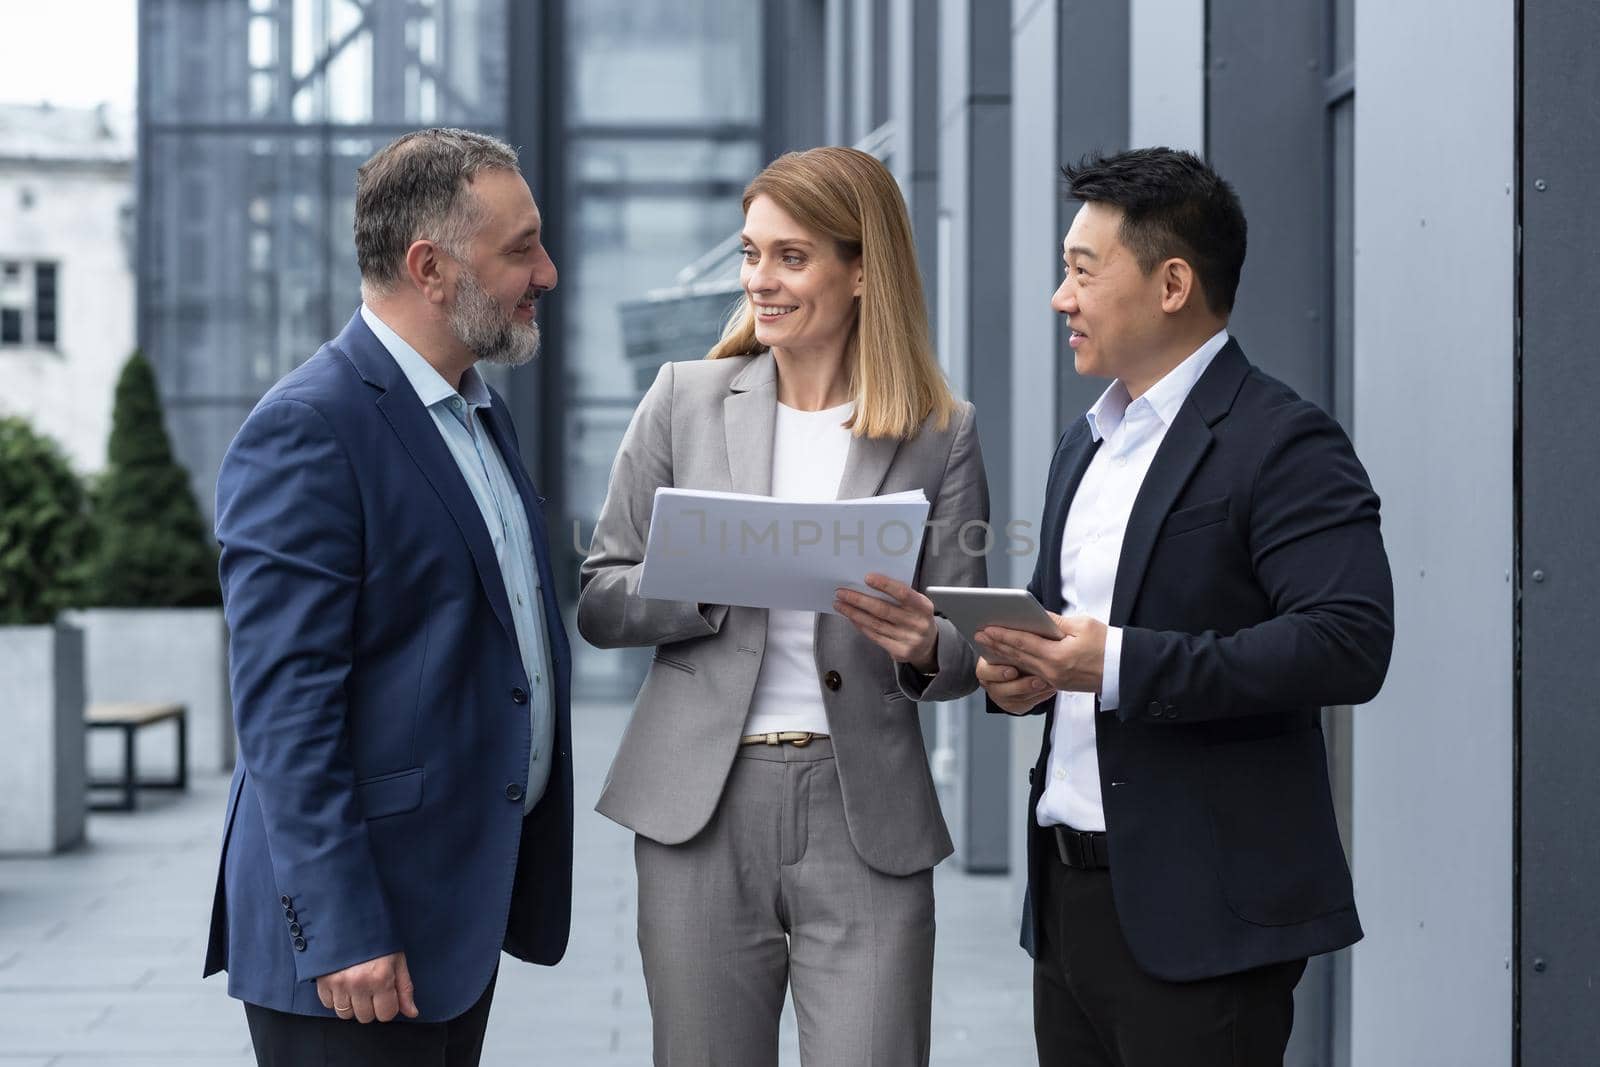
[763,552]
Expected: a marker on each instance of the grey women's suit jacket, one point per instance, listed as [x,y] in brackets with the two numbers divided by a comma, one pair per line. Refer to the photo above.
[709,425]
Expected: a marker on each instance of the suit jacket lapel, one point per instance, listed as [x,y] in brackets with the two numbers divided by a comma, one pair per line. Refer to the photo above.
[866,466]
[1072,460]
[1186,443]
[749,415]
[420,436]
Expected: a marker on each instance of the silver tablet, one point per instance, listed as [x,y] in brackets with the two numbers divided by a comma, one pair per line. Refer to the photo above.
[973,609]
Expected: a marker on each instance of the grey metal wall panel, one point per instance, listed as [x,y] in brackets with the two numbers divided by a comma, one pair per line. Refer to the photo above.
[1558,963]
[1265,85]
[1432,811]
[1166,74]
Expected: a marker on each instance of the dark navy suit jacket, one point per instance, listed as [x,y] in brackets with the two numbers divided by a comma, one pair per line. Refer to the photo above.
[380,701]
[1253,590]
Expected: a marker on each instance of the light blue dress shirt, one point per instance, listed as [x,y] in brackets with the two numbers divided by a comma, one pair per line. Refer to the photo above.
[456,414]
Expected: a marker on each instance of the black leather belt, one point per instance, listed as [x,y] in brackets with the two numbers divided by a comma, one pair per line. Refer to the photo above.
[1084,849]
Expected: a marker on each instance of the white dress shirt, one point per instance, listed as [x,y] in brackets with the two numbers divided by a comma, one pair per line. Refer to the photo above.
[1130,433]
[809,452]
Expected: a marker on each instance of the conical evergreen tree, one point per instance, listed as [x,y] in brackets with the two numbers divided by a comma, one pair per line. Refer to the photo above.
[44,527]
[154,549]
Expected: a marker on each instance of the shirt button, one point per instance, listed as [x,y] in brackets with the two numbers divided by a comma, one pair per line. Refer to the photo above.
[1060,774]
[1122,461]
[519,600]
[538,679]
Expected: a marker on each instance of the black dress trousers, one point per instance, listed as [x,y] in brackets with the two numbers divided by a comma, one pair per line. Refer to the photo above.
[282,1039]
[1094,1007]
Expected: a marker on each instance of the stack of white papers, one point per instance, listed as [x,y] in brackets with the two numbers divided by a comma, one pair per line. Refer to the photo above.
[763,552]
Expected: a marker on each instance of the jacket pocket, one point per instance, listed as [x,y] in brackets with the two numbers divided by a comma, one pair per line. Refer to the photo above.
[677,664]
[1193,518]
[1275,840]
[390,794]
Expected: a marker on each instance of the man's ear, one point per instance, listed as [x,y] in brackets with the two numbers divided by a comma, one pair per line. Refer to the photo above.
[425,270]
[1179,286]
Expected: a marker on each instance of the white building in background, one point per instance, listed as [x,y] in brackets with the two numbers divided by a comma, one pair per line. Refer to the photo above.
[66,270]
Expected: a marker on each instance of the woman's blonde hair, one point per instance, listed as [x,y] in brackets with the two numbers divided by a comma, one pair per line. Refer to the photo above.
[852,198]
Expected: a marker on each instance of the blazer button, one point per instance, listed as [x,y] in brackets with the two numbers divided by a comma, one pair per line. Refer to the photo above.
[1032,771]
[299,944]
[294,928]
[513,791]
[519,695]
[288,913]
[285,901]
[1155,709]
[1172,711]
[832,680]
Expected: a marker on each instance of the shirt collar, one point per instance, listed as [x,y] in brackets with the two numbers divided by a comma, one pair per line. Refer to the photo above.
[430,385]
[1163,398]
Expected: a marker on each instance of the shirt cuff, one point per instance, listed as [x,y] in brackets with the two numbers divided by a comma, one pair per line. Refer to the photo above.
[1111,671]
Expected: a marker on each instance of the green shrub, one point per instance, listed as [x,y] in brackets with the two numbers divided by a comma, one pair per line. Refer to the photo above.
[45,536]
[154,549]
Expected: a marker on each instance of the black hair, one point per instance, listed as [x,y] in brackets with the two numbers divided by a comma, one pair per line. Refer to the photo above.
[1173,205]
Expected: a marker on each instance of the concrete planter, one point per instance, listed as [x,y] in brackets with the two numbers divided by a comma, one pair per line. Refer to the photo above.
[42,776]
[160,654]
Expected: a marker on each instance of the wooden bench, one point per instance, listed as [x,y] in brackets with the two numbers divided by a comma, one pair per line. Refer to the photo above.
[130,719]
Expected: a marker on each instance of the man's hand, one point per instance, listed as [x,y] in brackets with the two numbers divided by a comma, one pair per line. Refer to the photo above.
[903,628]
[1010,689]
[1074,664]
[378,989]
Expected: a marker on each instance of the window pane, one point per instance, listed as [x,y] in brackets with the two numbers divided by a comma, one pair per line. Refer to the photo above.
[686,61]
[44,304]
[10,326]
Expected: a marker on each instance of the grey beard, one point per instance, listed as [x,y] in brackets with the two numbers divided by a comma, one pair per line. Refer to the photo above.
[486,330]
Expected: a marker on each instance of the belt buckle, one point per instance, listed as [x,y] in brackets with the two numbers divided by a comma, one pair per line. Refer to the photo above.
[802,740]
[1075,851]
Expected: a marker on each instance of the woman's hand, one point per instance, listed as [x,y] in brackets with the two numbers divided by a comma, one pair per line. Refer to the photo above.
[904,628]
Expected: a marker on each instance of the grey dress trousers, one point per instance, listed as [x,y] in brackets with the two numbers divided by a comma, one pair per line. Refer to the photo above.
[763,867]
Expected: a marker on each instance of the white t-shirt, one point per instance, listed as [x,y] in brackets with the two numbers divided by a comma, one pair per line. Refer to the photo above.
[809,450]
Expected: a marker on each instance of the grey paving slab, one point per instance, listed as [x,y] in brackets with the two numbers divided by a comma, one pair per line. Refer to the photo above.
[101,949]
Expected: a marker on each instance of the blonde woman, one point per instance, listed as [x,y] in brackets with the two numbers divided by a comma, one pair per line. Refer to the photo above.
[773,770]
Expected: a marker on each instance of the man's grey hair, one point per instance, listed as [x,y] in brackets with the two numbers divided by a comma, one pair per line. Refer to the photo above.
[415,188]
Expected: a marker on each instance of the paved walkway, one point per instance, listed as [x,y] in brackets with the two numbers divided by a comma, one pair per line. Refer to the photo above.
[101,950]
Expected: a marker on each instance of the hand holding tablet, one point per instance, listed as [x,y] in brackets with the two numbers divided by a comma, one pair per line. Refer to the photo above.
[970,610]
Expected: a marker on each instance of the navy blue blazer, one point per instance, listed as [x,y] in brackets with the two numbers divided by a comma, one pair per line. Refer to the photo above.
[380,701]
[1253,590]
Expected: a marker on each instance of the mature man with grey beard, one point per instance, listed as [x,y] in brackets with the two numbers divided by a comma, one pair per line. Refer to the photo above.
[402,806]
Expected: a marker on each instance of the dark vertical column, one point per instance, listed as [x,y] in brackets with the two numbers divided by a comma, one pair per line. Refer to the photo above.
[793,98]
[1265,133]
[536,81]
[1094,44]
[1558,955]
